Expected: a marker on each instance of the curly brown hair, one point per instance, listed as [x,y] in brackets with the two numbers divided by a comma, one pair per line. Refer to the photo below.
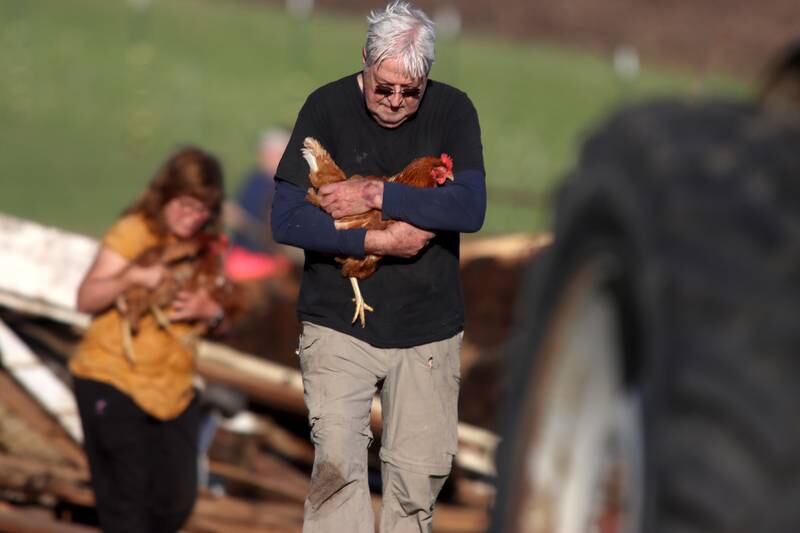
[189,171]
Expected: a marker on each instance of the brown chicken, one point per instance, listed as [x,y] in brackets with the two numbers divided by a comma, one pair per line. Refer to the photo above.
[191,265]
[425,172]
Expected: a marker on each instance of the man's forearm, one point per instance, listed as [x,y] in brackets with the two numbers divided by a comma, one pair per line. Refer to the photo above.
[298,223]
[458,206]
[375,242]
[400,239]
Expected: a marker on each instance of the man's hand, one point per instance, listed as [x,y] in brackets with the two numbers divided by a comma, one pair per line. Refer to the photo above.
[351,197]
[400,239]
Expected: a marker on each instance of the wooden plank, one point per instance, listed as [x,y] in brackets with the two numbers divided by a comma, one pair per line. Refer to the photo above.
[237,512]
[450,518]
[46,338]
[285,442]
[30,467]
[43,308]
[39,381]
[31,477]
[18,401]
[273,390]
[274,486]
[514,247]
[21,521]
[43,263]
[266,464]
[70,485]
[203,524]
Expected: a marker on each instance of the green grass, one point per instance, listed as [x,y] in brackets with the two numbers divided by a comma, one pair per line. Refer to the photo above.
[94,94]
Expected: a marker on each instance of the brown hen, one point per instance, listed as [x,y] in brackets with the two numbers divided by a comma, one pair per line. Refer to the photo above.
[191,265]
[424,172]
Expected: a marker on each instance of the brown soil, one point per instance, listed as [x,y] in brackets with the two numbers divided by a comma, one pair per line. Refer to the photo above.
[735,36]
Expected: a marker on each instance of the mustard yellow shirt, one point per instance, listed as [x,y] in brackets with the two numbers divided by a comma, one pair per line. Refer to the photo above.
[159,379]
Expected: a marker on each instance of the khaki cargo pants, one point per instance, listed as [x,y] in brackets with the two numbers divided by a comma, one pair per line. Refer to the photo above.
[419,439]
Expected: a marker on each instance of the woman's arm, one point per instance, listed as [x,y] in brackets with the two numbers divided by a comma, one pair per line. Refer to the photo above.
[109,276]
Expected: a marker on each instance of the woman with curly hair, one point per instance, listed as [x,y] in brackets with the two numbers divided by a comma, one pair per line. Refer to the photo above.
[140,415]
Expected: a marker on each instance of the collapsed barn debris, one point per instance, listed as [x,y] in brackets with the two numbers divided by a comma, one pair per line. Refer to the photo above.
[260,459]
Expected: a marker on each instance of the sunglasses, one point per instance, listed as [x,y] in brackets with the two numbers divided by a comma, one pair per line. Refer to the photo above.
[406,92]
[193,206]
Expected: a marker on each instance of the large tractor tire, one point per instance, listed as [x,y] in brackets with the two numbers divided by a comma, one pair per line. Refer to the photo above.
[656,362]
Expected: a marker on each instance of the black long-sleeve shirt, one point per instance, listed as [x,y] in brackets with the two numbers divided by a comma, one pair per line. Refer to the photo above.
[416,300]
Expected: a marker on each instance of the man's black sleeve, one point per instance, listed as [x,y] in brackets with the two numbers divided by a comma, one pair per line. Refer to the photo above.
[457,206]
[298,223]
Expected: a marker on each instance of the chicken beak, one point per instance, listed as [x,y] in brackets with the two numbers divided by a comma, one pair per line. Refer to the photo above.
[450,177]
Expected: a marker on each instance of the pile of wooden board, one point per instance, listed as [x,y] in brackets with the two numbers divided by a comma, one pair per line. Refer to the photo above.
[260,458]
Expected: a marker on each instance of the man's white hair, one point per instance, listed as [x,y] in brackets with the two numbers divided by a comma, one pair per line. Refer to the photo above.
[404,33]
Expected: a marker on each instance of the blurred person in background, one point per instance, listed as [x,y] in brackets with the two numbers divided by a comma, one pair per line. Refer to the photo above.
[254,254]
[373,123]
[140,417]
[218,403]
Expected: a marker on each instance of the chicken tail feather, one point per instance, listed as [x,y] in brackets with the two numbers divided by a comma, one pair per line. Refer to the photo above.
[311,148]
[322,168]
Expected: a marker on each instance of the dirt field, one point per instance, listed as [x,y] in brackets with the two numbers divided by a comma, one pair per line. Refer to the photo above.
[736,36]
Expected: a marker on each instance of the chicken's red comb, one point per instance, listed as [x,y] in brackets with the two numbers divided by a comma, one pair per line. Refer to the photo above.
[448,162]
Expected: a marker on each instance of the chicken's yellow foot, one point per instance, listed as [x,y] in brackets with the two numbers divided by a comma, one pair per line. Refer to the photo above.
[161,318]
[127,340]
[361,305]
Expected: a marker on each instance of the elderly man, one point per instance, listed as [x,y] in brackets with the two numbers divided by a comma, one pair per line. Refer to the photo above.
[374,123]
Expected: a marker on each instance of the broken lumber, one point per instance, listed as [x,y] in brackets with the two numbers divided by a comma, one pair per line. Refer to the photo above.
[17,401]
[20,520]
[272,486]
[39,381]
